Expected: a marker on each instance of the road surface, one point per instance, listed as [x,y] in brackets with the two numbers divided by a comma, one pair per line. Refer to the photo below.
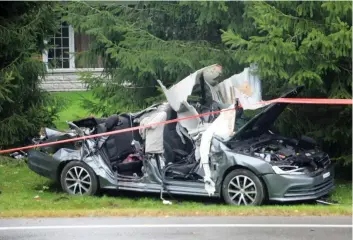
[184,228]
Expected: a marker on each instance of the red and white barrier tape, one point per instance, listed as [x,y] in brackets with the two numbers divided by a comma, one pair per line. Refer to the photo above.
[278,100]
[329,101]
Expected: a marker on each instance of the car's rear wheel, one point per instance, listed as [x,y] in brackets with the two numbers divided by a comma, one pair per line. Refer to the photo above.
[242,187]
[77,178]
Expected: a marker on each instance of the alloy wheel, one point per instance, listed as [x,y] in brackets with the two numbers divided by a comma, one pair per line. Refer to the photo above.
[78,180]
[242,190]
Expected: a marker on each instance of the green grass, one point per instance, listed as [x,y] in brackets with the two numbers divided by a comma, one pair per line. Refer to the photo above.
[20,187]
[73,108]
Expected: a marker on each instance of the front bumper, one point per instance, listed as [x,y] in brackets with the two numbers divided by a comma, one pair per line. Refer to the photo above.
[287,188]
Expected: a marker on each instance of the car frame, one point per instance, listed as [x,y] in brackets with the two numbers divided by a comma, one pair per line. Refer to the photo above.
[238,169]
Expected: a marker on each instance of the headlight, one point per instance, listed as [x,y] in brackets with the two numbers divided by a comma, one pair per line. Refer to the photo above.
[288,169]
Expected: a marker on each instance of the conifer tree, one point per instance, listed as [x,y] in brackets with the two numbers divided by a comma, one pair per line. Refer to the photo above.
[303,43]
[24,108]
[141,43]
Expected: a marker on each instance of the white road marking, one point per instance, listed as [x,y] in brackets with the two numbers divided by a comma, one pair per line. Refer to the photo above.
[179,226]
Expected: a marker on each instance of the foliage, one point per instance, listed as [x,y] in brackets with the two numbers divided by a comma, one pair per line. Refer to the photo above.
[303,43]
[23,106]
[143,43]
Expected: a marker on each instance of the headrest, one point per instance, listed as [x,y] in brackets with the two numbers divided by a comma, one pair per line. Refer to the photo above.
[111,121]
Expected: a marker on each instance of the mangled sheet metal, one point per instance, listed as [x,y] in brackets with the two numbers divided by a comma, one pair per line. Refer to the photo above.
[153,136]
[178,94]
[95,161]
[245,86]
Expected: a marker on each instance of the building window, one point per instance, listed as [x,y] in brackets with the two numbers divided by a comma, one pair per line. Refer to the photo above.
[67,51]
[60,54]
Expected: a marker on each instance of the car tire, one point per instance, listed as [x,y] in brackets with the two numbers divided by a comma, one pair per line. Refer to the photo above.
[77,178]
[242,187]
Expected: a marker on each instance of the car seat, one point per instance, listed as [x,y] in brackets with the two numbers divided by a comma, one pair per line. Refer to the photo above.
[118,146]
[174,148]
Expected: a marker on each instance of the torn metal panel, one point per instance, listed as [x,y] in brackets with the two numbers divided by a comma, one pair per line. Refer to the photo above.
[178,93]
[95,161]
[154,135]
[246,86]
[186,110]
[223,127]
[52,133]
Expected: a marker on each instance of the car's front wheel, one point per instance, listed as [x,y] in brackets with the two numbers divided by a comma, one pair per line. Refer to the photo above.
[242,187]
[77,178]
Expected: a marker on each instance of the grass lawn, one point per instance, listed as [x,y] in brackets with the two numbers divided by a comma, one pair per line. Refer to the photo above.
[73,109]
[25,194]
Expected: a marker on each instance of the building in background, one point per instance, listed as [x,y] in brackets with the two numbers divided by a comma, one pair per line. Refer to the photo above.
[63,60]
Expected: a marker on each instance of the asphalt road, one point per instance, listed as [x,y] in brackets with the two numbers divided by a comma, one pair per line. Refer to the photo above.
[183,228]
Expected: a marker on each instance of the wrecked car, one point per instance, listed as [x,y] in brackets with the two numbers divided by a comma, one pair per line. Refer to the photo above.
[217,155]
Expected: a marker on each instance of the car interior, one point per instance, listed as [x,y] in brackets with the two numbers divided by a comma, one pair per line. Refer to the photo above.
[126,160]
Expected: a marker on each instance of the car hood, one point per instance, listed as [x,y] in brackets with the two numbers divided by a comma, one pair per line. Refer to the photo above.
[261,122]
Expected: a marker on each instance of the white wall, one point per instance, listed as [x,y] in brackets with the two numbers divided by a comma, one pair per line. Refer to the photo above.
[61,81]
